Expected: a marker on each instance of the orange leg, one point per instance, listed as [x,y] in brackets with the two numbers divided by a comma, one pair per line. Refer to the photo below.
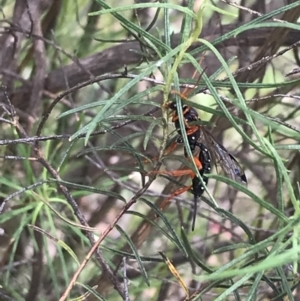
[180,94]
[178,173]
[190,129]
[175,115]
[170,148]
[174,173]
[174,194]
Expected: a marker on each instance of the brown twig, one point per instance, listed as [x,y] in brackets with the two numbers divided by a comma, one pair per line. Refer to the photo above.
[101,238]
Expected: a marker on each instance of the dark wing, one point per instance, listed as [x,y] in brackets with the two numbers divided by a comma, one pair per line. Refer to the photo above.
[221,157]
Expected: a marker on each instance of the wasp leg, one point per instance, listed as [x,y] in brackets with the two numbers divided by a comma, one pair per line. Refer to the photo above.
[173,173]
[174,194]
[179,94]
[180,172]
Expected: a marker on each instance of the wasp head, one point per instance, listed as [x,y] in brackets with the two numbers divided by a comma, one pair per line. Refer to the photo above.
[189,113]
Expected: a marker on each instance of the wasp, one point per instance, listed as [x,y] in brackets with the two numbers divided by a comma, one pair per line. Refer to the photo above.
[197,134]
[202,159]
[203,164]
[205,150]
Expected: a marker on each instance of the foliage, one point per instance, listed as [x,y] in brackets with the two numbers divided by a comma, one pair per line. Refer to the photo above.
[82,121]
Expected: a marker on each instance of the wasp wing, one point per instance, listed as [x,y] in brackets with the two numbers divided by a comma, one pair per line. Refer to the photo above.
[221,157]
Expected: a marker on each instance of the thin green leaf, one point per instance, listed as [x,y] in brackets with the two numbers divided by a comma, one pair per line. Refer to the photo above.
[136,253]
[191,253]
[231,248]
[161,230]
[285,285]
[149,131]
[232,288]
[252,294]
[92,290]
[174,237]
[92,189]
[253,196]
[238,222]
[145,5]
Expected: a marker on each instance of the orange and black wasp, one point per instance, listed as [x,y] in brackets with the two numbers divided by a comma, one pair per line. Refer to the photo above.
[197,134]
[205,150]
[202,159]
